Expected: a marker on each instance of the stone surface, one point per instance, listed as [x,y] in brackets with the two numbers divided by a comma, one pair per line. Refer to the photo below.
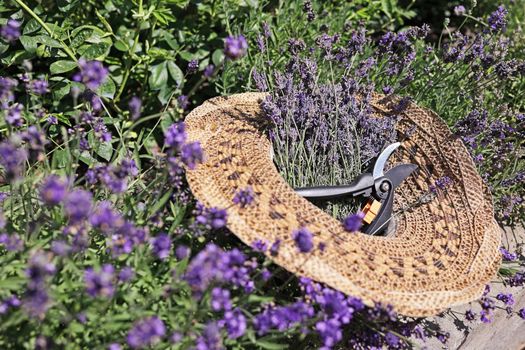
[505,333]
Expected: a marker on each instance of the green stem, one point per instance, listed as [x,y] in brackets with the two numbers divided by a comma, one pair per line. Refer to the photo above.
[128,63]
[130,53]
[66,48]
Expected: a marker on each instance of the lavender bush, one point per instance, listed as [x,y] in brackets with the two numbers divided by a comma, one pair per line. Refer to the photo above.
[473,78]
[101,243]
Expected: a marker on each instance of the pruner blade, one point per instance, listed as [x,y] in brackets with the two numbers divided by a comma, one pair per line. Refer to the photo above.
[383,158]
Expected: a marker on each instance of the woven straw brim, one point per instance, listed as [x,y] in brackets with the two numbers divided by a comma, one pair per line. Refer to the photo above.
[441,254]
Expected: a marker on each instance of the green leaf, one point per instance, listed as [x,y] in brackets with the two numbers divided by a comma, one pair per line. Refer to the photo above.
[60,158]
[105,150]
[271,346]
[80,35]
[30,43]
[13,283]
[165,94]
[31,26]
[107,89]
[159,76]
[217,57]
[62,66]
[160,204]
[3,48]
[60,90]
[157,53]
[104,21]
[176,73]
[252,3]
[121,45]
[259,299]
[386,6]
[86,158]
[94,51]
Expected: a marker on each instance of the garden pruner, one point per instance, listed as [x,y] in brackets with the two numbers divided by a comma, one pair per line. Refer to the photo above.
[377,189]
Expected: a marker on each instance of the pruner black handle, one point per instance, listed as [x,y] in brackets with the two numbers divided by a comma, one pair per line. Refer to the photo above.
[363,185]
[380,223]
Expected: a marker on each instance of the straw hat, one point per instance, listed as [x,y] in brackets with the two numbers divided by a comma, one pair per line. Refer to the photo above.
[441,254]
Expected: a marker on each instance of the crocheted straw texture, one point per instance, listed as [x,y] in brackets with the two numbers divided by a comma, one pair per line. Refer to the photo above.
[441,254]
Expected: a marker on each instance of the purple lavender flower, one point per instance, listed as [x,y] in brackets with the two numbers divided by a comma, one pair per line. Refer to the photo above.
[235,47]
[183,102]
[259,245]
[392,340]
[308,9]
[212,218]
[161,246]
[100,283]
[12,159]
[486,316]
[7,85]
[105,218]
[210,338]
[60,248]
[441,184]
[36,300]
[126,274]
[11,30]
[387,90]
[92,73]
[209,70]
[213,264]
[175,136]
[497,20]
[53,190]
[330,332]
[135,105]
[193,66]
[77,205]
[274,248]
[235,323]
[443,336]
[261,44]
[182,252]
[35,141]
[353,222]
[244,197]
[39,87]
[508,256]
[94,100]
[115,346]
[282,318]
[508,298]
[220,299]
[176,337]
[486,291]
[40,267]
[14,115]
[8,303]
[266,275]
[12,243]
[146,332]
[303,240]
[459,10]
[51,119]
[470,315]
[122,239]
[192,154]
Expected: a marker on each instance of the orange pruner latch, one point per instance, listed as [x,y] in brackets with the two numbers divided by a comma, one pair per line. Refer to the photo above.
[371,210]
